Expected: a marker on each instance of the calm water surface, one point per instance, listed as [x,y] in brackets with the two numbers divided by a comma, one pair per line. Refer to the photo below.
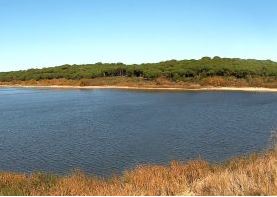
[108,131]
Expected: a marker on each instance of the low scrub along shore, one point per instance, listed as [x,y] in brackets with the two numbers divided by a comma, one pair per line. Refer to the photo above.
[250,175]
[211,83]
[185,74]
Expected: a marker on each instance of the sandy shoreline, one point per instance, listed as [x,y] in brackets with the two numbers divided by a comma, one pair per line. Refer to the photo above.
[245,89]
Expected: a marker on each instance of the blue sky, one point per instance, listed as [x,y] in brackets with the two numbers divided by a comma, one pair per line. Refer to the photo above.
[40,33]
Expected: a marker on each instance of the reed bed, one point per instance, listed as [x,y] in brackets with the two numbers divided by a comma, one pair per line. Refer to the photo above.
[255,174]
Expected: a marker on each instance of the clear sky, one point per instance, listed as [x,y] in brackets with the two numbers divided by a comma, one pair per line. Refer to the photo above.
[40,33]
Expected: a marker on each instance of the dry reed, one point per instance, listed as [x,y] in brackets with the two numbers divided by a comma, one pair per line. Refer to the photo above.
[252,175]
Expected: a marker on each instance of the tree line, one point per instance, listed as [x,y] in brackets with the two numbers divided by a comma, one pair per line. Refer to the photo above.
[173,70]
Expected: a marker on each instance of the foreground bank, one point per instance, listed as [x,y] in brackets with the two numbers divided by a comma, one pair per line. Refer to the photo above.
[252,175]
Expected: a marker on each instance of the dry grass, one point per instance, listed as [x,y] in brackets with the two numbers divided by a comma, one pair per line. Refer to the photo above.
[103,81]
[251,175]
[155,83]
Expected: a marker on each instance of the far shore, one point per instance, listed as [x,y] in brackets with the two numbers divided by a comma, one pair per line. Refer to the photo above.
[210,88]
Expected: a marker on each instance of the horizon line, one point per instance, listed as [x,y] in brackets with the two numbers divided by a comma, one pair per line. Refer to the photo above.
[140,63]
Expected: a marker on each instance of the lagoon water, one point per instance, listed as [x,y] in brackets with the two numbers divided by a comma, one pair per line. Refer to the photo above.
[103,132]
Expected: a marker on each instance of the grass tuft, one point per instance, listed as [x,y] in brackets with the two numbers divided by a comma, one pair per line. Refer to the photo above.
[249,175]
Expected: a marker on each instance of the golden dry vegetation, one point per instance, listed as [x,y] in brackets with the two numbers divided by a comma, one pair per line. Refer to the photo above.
[160,82]
[250,175]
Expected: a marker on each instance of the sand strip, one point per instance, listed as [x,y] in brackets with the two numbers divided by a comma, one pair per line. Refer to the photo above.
[245,89]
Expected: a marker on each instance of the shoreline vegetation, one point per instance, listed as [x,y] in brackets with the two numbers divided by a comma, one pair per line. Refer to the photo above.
[203,74]
[255,174]
[208,84]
